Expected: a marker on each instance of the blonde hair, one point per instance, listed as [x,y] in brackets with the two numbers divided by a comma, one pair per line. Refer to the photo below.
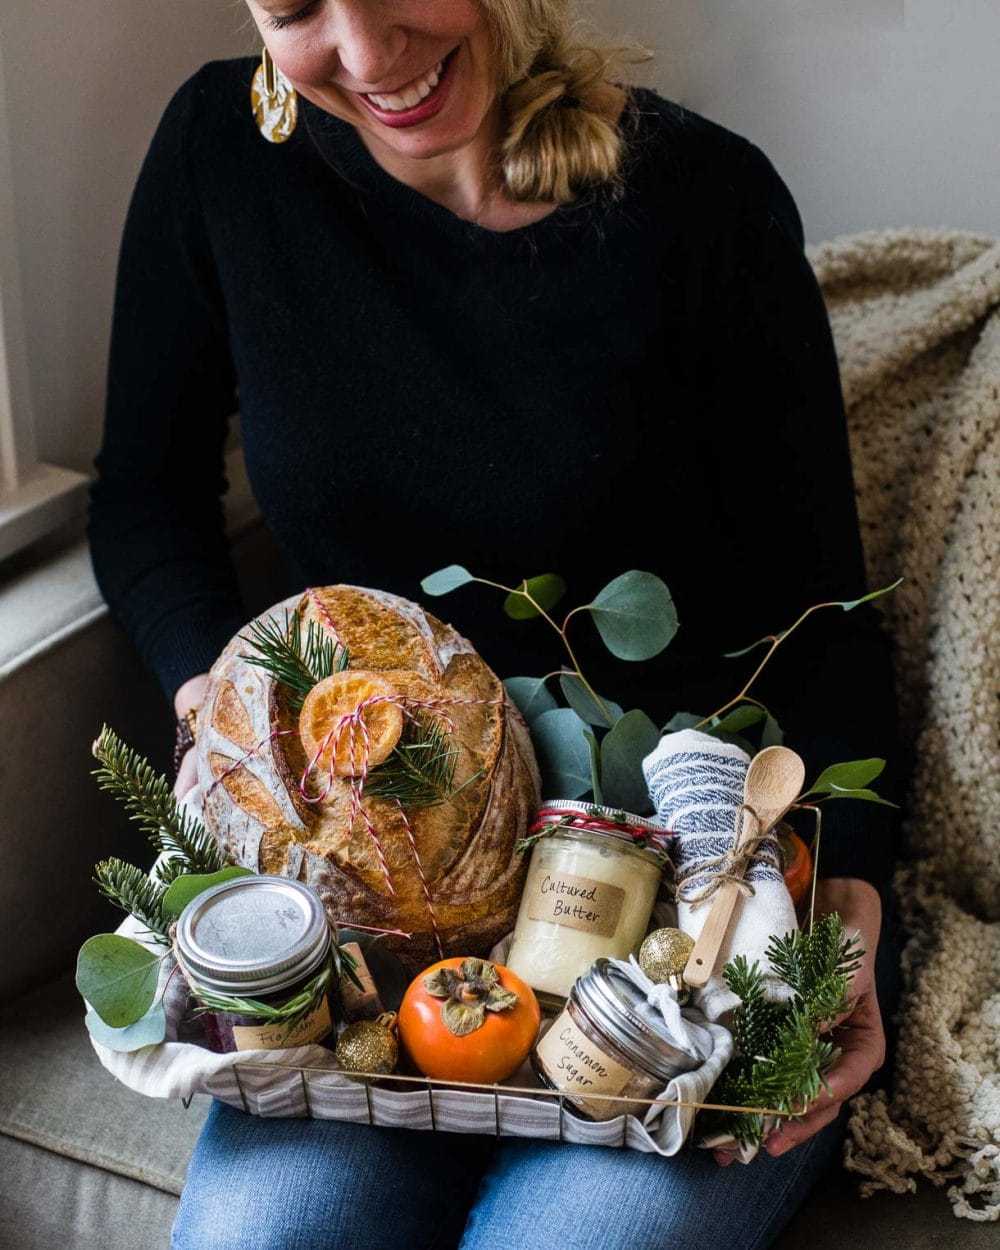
[562,134]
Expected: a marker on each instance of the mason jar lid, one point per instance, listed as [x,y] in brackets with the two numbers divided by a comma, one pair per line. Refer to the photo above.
[253,935]
[619,1009]
[607,822]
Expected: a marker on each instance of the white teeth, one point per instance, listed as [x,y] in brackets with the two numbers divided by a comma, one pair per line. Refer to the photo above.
[399,103]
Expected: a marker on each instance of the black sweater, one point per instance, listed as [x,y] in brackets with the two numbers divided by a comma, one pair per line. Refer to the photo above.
[645,381]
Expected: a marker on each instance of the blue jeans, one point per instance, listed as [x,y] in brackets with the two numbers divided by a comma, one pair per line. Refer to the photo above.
[262,1184]
[318,1184]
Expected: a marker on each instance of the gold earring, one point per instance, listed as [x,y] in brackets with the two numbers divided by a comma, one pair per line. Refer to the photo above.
[274,100]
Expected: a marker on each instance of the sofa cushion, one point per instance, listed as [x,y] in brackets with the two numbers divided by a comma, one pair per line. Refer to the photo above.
[55,1094]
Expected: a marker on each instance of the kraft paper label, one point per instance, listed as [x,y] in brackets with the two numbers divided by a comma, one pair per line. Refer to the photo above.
[577,1067]
[576,902]
[276,1036]
[364,1003]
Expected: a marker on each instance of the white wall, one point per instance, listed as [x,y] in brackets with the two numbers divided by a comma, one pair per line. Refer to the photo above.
[86,82]
[876,112]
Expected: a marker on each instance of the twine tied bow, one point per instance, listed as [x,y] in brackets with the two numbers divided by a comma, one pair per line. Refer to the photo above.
[730,867]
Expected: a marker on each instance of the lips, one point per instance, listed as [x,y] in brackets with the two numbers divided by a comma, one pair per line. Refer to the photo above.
[418,101]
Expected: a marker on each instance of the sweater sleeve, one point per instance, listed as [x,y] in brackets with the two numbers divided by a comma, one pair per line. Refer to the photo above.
[795,519]
[156,527]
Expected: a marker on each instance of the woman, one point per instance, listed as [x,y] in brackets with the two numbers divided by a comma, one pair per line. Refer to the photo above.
[484,306]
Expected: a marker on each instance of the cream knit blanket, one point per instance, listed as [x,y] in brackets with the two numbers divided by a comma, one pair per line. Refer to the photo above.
[916,319]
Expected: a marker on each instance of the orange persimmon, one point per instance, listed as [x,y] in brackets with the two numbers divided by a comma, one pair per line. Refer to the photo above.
[468,1020]
[798,865]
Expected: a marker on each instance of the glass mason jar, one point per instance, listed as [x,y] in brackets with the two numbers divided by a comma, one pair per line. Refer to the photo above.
[608,1041]
[591,885]
[259,937]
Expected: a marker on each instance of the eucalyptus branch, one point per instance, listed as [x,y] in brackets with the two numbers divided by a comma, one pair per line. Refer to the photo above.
[148,800]
[523,591]
[775,641]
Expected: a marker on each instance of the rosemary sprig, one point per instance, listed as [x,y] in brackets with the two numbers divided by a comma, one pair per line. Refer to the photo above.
[290,1013]
[131,889]
[149,802]
[420,772]
[297,663]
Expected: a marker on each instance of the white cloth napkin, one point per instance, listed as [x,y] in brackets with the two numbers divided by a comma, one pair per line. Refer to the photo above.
[696,785]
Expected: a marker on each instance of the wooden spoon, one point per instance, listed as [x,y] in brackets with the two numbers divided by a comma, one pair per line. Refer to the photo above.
[773,782]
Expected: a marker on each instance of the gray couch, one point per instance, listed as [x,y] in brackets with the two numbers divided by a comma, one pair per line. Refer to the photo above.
[84,1163]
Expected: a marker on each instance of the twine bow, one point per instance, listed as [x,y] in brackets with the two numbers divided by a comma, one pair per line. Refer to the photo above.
[728,868]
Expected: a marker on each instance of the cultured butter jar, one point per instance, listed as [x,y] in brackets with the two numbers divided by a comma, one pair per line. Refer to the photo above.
[609,1041]
[591,885]
[259,937]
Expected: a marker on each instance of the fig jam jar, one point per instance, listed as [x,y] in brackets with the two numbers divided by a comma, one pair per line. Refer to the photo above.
[257,937]
[609,1041]
[593,879]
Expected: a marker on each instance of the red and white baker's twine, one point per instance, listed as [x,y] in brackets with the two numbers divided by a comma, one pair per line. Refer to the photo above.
[349,723]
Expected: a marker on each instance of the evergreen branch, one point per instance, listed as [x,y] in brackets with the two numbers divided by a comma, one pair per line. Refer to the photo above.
[131,889]
[296,664]
[783,1058]
[420,772]
[150,803]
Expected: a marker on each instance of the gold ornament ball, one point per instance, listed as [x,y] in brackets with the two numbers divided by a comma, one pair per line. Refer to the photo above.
[664,954]
[369,1046]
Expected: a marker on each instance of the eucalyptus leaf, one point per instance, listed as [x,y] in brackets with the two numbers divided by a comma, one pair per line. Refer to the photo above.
[761,642]
[563,753]
[682,720]
[622,751]
[595,765]
[772,735]
[530,695]
[446,580]
[739,718]
[851,604]
[546,590]
[848,776]
[189,885]
[117,977]
[841,792]
[737,740]
[148,1031]
[586,706]
[634,615]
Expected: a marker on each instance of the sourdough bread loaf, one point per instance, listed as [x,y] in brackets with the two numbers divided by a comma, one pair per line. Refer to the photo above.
[250,779]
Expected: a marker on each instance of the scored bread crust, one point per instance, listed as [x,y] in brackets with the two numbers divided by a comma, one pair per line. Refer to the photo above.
[250,778]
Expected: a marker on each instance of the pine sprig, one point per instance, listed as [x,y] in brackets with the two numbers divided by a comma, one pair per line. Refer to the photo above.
[420,772]
[290,1013]
[295,662]
[131,889]
[148,799]
[783,1056]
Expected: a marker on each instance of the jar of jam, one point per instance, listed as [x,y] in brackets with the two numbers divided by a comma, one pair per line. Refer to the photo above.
[259,937]
[608,1040]
[593,879]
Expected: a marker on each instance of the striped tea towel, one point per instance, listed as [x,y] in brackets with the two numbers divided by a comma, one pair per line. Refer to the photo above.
[696,785]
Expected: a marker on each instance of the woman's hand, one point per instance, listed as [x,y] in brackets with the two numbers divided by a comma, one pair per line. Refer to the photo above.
[858,1032]
[188,696]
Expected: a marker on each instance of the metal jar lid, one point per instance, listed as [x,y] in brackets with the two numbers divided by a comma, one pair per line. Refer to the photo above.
[253,935]
[656,834]
[619,1009]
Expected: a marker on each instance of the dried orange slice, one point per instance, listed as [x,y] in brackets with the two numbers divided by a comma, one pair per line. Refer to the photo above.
[322,721]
